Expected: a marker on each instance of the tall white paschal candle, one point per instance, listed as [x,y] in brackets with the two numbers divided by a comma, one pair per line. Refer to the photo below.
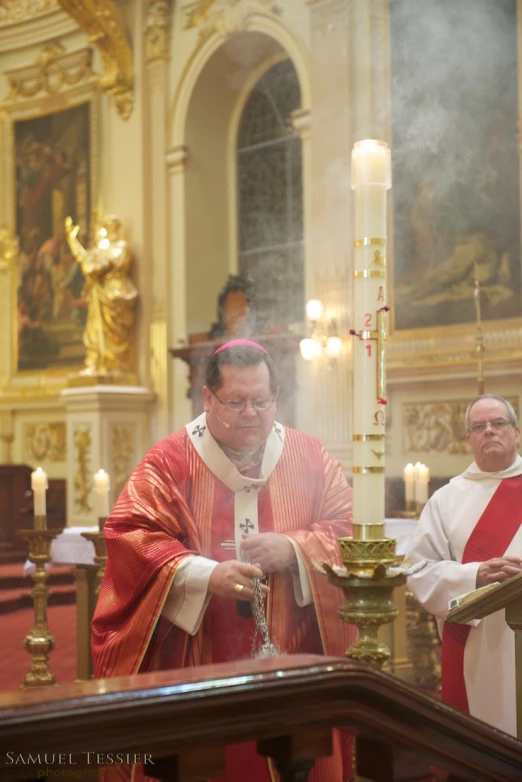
[102,487]
[39,485]
[371,178]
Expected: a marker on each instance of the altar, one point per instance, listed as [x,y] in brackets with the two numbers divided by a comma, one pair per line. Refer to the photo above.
[71,548]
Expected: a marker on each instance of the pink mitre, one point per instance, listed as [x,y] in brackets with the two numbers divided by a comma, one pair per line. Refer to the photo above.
[240,343]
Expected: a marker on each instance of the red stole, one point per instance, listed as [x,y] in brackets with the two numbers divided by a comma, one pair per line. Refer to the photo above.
[489,539]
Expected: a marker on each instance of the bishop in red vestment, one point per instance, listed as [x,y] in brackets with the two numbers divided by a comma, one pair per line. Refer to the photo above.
[231,497]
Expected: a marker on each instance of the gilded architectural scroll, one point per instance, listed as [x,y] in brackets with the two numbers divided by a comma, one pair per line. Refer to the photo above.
[157,30]
[123,451]
[44,442]
[82,440]
[437,427]
[102,22]
[16,11]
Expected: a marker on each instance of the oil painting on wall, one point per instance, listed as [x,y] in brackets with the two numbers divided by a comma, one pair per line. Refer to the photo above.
[52,182]
[456,172]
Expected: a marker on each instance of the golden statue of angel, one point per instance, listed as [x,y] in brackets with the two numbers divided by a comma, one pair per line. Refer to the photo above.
[111,298]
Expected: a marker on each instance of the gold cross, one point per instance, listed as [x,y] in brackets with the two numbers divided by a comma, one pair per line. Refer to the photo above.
[379,335]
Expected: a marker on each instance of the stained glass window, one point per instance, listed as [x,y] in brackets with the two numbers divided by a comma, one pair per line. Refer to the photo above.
[270,196]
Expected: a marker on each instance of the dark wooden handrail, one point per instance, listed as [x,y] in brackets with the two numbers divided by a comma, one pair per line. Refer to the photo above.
[172,712]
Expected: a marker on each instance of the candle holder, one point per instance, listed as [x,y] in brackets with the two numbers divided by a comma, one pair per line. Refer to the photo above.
[39,642]
[419,507]
[100,548]
[367,580]
[423,642]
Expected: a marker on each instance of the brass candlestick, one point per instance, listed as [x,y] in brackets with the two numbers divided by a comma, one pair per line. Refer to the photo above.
[100,548]
[367,583]
[39,642]
[423,642]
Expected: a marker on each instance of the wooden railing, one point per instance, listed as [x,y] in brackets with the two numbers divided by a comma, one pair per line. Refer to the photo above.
[183,719]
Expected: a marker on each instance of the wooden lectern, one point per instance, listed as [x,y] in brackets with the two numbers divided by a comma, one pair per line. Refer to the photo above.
[507,595]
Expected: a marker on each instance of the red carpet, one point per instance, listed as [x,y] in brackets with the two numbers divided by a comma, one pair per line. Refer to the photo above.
[16,662]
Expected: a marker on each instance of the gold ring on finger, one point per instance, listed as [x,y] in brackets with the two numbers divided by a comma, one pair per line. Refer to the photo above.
[238,588]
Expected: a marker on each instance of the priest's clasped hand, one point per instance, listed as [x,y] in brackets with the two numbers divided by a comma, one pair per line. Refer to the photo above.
[228,576]
[499,569]
[270,550]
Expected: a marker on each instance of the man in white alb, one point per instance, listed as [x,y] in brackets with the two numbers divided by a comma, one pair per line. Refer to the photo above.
[470,535]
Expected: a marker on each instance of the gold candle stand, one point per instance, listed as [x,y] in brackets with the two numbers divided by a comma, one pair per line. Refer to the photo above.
[100,548]
[368,587]
[39,642]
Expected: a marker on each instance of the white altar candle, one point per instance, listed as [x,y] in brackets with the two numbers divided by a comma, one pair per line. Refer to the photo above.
[39,486]
[421,484]
[408,475]
[101,488]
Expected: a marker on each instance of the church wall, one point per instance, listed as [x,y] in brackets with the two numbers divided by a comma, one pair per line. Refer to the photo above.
[208,185]
[174,190]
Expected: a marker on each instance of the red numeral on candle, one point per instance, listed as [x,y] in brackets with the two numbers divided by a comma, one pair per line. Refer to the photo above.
[369,349]
[368,320]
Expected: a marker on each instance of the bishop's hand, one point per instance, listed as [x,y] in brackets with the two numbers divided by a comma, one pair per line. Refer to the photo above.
[270,550]
[227,578]
[499,569]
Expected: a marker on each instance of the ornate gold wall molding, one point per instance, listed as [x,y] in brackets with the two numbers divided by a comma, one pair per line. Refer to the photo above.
[225,17]
[82,439]
[123,439]
[157,37]
[9,248]
[452,350]
[44,442]
[53,70]
[437,427]
[16,11]
[101,21]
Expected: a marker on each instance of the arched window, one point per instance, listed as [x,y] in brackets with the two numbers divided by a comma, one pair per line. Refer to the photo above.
[270,196]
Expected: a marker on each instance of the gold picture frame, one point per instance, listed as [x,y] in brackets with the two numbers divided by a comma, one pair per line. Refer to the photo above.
[49,125]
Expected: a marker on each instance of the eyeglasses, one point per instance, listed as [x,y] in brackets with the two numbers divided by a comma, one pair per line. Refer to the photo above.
[238,405]
[498,425]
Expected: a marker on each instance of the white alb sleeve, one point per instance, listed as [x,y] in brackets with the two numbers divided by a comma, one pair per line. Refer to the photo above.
[442,578]
[189,597]
[302,589]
